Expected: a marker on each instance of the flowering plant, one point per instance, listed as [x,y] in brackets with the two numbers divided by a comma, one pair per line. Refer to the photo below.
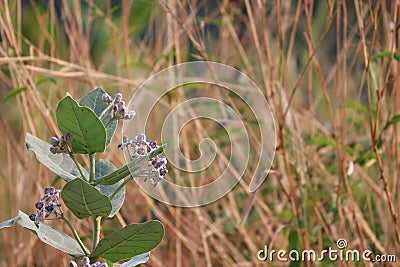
[97,191]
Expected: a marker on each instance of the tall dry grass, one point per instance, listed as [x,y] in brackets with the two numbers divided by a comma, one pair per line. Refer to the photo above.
[334,98]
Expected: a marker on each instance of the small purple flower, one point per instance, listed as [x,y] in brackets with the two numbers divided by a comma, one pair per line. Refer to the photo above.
[47,190]
[163,171]
[85,260]
[129,115]
[121,103]
[39,205]
[153,144]
[141,138]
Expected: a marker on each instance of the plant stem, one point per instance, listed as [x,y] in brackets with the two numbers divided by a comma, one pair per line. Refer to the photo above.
[120,187]
[77,165]
[96,219]
[105,112]
[92,162]
[96,231]
[77,238]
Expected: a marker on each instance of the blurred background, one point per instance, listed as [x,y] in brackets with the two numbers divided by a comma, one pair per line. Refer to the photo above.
[328,69]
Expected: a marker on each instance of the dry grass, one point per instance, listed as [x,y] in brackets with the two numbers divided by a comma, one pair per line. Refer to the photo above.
[314,62]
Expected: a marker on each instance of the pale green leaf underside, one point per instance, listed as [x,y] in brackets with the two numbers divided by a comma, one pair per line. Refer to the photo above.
[60,164]
[9,222]
[142,258]
[103,168]
[51,236]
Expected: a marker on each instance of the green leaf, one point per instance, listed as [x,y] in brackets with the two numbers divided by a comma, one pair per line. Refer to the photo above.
[88,133]
[94,101]
[133,240]
[9,222]
[360,108]
[51,236]
[142,258]
[60,164]
[322,141]
[395,119]
[102,168]
[43,79]
[14,92]
[85,200]
[388,54]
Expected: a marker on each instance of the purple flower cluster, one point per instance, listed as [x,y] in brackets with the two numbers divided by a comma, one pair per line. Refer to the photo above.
[47,205]
[85,262]
[138,146]
[119,110]
[62,145]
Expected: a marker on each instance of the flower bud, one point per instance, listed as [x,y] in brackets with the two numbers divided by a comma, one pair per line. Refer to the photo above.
[163,171]
[85,260]
[153,144]
[72,264]
[54,141]
[117,98]
[141,138]
[54,149]
[106,98]
[125,139]
[121,104]
[129,115]
[67,138]
[39,205]
[160,162]
[32,217]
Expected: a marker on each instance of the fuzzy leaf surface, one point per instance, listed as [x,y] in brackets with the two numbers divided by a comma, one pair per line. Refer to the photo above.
[60,164]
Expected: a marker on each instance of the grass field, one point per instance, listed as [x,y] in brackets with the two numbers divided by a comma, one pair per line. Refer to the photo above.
[329,70]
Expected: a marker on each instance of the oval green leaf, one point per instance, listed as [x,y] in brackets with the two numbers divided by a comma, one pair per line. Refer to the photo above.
[94,101]
[85,200]
[133,240]
[88,133]
[60,164]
